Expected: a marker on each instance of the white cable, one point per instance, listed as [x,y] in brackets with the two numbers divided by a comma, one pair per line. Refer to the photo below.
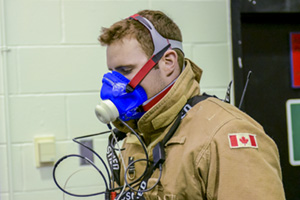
[65,185]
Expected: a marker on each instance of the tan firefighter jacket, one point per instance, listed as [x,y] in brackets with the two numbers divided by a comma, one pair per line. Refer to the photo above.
[217,152]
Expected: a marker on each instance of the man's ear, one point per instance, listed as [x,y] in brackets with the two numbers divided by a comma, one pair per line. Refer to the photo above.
[169,63]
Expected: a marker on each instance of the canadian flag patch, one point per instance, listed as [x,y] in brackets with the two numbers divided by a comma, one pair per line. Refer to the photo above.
[240,140]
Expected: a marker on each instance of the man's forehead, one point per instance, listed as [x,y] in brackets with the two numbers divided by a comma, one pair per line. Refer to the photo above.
[125,54]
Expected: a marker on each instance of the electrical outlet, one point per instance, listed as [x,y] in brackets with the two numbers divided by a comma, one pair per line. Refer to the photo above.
[86,152]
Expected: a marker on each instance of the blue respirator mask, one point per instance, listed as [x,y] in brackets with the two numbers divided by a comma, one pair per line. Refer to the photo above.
[125,98]
[117,102]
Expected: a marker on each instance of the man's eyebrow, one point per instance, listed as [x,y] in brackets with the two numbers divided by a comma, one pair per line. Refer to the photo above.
[123,66]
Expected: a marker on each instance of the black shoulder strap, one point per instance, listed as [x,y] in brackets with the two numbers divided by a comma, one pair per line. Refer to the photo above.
[196,99]
[190,103]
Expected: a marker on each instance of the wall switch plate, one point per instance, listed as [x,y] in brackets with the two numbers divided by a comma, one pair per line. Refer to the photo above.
[45,152]
[86,152]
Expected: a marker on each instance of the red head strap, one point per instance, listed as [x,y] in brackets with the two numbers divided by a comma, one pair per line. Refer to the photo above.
[161,45]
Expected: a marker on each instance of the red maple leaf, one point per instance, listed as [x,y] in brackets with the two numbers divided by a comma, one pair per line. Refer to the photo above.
[244,140]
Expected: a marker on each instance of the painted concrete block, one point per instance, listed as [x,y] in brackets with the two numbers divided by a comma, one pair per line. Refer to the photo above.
[28,178]
[4,187]
[65,69]
[45,195]
[1,74]
[188,50]
[4,196]
[84,19]
[37,115]
[12,71]
[199,21]
[54,89]
[17,165]
[81,114]
[51,195]
[215,63]
[2,121]
[33,22]
[1,11]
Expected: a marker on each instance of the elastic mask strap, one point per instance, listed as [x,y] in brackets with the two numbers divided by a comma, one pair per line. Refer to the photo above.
[158,40]
[145,69]
[161,45]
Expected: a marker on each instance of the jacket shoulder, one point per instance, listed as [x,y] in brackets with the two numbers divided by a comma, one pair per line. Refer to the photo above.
[212,120]
[223,112]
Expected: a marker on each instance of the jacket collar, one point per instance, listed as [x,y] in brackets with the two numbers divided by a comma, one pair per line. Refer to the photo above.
[165,111]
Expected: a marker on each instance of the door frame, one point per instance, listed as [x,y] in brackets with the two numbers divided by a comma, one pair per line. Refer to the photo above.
[239,7]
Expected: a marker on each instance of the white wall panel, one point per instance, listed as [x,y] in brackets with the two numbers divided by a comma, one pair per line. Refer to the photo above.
[1,75]
[56,69]
[214,61]
[32,116]
[33,22]
[4,170]
[2,121]
[84,19]
[81,114]
[200,21]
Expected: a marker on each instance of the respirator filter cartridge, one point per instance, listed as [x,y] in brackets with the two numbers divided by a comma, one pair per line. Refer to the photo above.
[106,111]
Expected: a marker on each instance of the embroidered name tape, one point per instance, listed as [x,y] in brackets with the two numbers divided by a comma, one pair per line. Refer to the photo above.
[242,140]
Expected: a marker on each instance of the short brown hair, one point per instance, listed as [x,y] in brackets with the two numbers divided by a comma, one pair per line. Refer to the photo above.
[134,29]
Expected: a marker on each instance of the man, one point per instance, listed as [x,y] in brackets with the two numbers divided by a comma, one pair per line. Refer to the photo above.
[216,152]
